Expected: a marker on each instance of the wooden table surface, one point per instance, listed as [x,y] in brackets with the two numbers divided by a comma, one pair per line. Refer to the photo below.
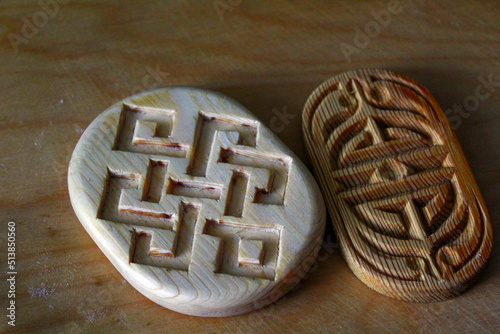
[62,66]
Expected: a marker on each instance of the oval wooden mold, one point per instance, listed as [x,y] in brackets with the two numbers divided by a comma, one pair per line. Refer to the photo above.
[408,214]
[195,202]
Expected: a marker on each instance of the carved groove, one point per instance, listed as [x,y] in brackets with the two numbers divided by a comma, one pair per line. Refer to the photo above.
[166,239]
[279,167]
[232,258]
[206,130]
[194,189]
[148,130]
[114,207]
[173,250]
[155,180]
[236,194]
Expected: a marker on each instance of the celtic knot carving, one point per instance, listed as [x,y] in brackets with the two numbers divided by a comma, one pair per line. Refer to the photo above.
[166,239]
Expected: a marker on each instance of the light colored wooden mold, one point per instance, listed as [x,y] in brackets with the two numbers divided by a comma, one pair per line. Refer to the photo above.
[408,214]
[195,202]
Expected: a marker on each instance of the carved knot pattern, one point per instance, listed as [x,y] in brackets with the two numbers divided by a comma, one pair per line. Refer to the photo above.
[393,179]
[166,239]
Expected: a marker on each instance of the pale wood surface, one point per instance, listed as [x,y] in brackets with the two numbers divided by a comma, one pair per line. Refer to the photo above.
[406,209]
[195,202]
[268,55]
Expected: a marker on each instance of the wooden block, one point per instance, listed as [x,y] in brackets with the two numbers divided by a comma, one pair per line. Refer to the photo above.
[251,252]
[406,209]
[195,202]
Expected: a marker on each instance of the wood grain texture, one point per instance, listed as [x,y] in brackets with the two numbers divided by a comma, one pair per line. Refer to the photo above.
[195,202]
[406,208]
[269,56]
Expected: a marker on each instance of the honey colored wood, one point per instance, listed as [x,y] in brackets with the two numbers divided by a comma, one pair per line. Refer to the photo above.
[195,202]
[408,214]
[269,56]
